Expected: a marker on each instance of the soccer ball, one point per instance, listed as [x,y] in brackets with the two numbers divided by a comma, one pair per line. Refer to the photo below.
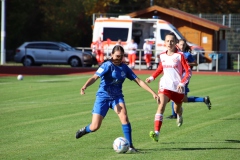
[20,77]
[121,145]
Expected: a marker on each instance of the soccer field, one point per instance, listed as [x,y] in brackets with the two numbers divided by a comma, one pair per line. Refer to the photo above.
[40,115]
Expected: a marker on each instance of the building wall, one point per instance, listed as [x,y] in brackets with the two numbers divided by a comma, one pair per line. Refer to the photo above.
[196,34]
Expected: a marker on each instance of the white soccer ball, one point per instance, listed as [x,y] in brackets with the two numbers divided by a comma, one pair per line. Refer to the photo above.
[20,77]
[121,145]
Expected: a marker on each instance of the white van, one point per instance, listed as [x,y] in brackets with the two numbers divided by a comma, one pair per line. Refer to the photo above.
[126,28]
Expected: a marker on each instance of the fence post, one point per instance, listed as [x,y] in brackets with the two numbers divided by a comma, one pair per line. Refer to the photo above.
[93,18]
[217,63]
[140,59]
[229,20]
[238,62]
[197,61]
[223,22]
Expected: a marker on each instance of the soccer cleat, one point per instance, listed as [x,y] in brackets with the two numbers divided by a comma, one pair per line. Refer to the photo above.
[154,136]
[207,102]
[132,150]
[81,132]
[172,117]
[179,121]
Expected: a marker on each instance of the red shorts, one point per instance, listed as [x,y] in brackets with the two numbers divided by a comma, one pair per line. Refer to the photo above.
[174,96]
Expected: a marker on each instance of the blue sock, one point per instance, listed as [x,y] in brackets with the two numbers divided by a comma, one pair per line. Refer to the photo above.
[88,130]
[173,113]
[127,131]
[195,99]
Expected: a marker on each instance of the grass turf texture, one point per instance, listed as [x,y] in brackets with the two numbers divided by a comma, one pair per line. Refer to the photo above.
[40,115]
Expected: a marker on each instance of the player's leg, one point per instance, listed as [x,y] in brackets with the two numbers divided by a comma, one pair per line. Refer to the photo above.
[121,111]
[178,98]
[133,60]
[101,57]
[100,110]
[173,105]
[148,60]
[173,115]
[185,99]
[179,110]
[98,56]
[158,120]
[130,60]
[206,100]
[94,126]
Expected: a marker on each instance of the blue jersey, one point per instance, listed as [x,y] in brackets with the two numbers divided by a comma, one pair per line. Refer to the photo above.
[112,78]
[188,56]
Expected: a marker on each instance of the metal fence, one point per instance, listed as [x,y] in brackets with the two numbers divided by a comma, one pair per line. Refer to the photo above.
[230,20]
[216,61]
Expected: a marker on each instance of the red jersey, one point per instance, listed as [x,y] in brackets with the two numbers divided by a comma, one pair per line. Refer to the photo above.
[173,68]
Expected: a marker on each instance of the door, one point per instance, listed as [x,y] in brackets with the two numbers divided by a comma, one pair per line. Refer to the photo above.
[56,54]
[37,51]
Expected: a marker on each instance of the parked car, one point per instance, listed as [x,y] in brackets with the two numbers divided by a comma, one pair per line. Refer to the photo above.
[47,52]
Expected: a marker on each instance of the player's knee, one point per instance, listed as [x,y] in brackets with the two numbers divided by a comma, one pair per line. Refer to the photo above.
[124,119]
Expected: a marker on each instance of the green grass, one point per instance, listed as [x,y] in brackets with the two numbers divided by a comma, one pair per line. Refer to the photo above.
[39,117]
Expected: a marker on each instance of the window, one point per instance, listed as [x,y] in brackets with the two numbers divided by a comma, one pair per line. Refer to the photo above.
[66,46]
[115,33]
[163,33]
[52,46]
[36,46]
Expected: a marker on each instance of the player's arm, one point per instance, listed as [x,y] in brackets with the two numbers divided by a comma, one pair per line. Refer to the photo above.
[147,88]
[144,46]
[89,82]
[188,72]
[134,47]
[155,74]
[186,77]
[193,64]
[191,61]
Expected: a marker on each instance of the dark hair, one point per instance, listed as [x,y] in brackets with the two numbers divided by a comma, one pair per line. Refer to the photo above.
[172,34]
[187,48]
[117,48]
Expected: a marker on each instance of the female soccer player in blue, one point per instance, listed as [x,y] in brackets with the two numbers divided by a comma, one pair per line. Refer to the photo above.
[109,95]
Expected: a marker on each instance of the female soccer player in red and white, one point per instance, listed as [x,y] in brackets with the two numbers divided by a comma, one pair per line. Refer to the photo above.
[172,83]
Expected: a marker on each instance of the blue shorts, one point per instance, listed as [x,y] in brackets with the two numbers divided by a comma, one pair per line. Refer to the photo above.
[102,105]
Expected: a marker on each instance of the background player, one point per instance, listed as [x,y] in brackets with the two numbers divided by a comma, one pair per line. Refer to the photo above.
[183,47]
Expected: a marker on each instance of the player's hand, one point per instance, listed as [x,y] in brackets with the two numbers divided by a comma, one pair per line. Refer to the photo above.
[180,89]
[156,97]
[82,90]
[148,80]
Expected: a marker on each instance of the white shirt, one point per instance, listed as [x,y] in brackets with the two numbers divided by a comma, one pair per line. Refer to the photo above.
[130,46]
[147,48]
[172,68]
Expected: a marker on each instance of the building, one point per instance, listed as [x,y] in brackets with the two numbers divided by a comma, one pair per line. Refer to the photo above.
[205,33]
